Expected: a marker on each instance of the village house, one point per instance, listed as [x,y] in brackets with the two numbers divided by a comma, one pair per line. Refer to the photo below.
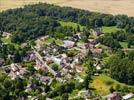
[89,46]
[79,79]
[77,36]
[78,68]
[96,32]
[96,51]
[16,71]
[6,34]
[1,61]
[98,67]
[114,96]
[92,41]
[128,96]
[68,44]
[46,80]
[56,60]
[87,94]
[39,65]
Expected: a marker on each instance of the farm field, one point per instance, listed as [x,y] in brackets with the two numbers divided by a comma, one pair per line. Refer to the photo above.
[7,4]
[105,6]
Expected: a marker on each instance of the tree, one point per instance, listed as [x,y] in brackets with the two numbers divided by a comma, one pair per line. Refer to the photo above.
[109,41]
[131,55]
[55,67]
[118,87]
[84,20]
[90,71]
[78,28]
[65,96]
[7,83]
[111,89]
[130,40]
[17,57]
[121,69]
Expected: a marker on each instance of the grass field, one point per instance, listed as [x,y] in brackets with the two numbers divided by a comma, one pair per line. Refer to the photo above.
[104,6]
[71,24]
[102,84]
[110,29]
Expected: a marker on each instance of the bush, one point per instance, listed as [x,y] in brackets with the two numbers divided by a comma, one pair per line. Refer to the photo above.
[108,82]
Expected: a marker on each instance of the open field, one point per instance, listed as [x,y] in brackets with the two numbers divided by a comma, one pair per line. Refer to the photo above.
[102,84]
[71,24]
[111,29]
[105,6]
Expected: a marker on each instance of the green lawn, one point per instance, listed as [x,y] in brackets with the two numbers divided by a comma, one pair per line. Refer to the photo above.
[102,83]
[110,29]
[71,24]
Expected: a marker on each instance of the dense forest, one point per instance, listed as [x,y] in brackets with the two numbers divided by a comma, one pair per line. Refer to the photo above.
[33,21]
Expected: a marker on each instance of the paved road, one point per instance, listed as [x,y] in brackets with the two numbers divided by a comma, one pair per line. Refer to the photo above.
[128,49]
[3,67]
[41,59]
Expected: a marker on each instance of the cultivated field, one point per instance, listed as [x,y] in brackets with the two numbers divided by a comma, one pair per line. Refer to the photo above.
[7,4]
[105,6]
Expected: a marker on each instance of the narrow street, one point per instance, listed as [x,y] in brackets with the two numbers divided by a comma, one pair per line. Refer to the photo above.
[41,59]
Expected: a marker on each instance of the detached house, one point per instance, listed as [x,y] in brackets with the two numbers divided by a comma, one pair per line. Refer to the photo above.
[16,71]
[68,44]
[114,96]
